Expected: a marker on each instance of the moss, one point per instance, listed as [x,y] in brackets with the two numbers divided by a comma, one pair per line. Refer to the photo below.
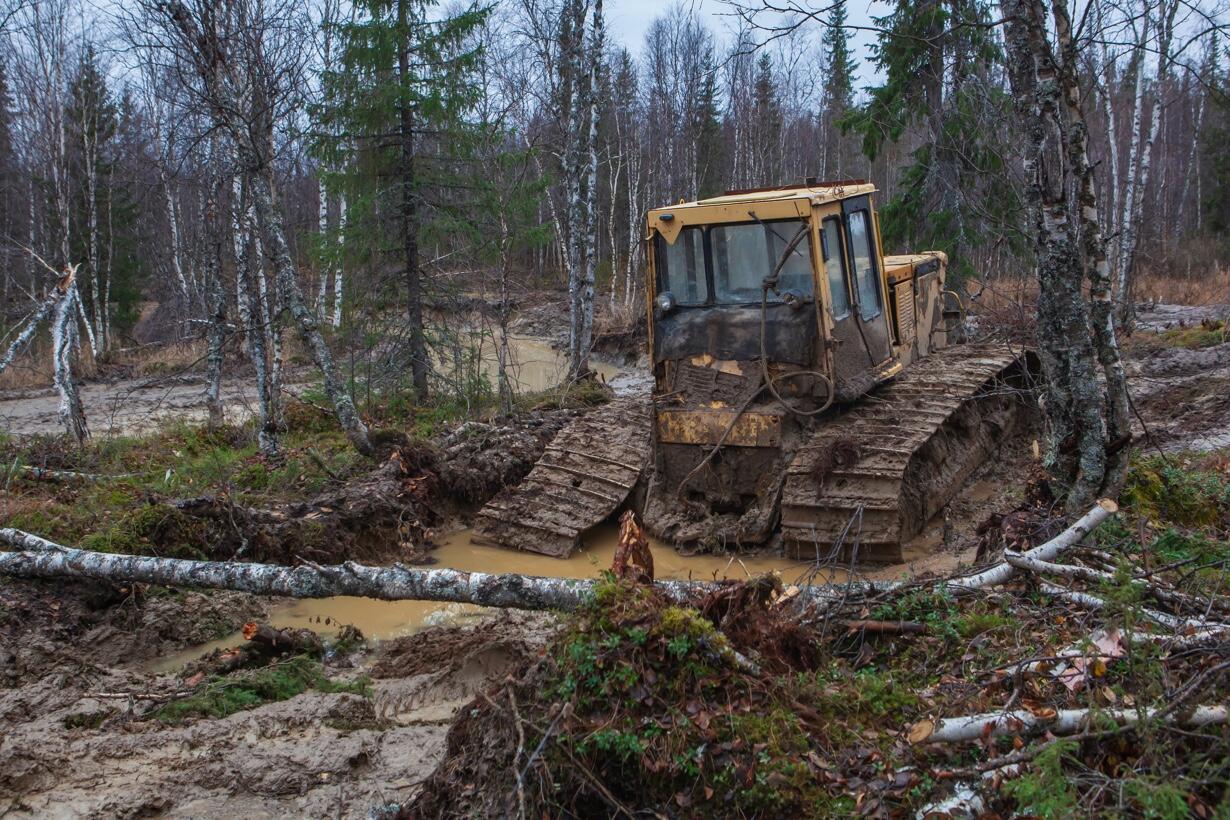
[1206,334]
[152,529]
[224,696]
[1166,491]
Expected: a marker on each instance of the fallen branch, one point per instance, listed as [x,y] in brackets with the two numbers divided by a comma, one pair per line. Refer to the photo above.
[1167,596]
[65,476]
[1067,539]
[1094,602]
[1058,722]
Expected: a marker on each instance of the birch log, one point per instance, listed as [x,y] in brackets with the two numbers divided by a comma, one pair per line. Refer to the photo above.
[41,558]
[1059,722]
[1067,539]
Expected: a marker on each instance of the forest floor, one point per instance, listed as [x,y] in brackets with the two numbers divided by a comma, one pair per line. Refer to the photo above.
[96,722]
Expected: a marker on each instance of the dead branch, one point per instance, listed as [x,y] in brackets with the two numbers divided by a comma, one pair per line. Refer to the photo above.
[1058,722]
[1067,539]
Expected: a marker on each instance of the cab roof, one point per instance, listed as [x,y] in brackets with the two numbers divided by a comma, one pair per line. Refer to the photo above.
[787,202]
[817,193]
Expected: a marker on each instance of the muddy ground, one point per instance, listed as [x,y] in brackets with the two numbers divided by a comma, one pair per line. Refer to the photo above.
[78,698]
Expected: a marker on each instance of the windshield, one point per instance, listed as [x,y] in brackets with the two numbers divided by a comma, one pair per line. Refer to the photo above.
[740,257]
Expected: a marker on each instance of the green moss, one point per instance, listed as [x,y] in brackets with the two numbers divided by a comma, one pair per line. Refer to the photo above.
[224,696]
[152,529]
[1164,491]
[1205,334]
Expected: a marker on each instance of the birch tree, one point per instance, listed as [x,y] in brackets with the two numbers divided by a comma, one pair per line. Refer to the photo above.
[229,50]
[1087,421]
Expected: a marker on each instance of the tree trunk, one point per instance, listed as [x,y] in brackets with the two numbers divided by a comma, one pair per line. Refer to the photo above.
[419,363]
[36,318]
[64,348]
[337,271]
[1076,447]
[217,300]
[243,228]
[309,330]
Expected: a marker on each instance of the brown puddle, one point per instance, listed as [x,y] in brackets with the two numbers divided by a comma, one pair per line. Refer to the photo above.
[380,620]
[533,365]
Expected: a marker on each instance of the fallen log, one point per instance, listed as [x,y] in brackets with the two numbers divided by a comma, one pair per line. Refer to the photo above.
[29,473]
[1163,618]
[41,558]
[1067,539]
[44,559]
[1055,721]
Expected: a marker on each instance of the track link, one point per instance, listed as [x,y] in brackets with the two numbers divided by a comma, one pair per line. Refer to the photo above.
[869,479]
[586,472]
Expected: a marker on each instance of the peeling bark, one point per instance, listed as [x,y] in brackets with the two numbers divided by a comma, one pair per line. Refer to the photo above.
[254,327]
[36,319]
[64,348]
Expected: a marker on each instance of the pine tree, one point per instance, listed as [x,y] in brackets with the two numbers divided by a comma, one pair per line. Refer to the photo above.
[839,65]
[396,108]
[767,117]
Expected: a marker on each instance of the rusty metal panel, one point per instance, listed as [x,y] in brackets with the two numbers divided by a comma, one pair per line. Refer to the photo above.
[706,426]
[905,312]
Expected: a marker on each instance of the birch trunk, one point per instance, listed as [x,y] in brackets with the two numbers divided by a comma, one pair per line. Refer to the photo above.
[588,275]
[574,95]
[217,299]
[40,558]
[44,309]
[337,270]
[1061,722]
[292,297]
[1127,264]
[1076,432]
[64,347]
[322,227]
[242,230]
[1096,268]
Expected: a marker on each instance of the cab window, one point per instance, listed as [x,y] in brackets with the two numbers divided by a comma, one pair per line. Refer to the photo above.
[744,254]
[834,265]
[859,228]
[681,267]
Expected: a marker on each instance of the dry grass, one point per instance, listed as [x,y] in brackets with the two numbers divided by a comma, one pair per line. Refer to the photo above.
[33,368]
[1193,286]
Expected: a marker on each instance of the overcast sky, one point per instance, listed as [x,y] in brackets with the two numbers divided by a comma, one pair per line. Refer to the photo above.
[628,20]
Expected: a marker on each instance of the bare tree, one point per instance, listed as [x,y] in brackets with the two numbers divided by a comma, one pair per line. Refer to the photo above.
[232,50]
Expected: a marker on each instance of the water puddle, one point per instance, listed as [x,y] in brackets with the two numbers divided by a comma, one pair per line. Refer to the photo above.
[381,620]
[533,364]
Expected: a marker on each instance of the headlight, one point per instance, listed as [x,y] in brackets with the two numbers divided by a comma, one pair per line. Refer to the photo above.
[665,301]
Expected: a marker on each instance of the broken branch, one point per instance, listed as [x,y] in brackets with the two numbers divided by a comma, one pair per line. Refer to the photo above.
[1059,722]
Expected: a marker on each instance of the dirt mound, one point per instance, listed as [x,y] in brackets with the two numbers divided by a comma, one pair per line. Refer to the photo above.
[614,713]
[478,460]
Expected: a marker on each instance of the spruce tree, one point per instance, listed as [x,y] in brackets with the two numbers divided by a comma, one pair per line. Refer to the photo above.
[394,113]
[707,135]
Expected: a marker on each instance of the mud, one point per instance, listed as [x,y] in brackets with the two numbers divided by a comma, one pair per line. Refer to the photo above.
[83,666]
[314,755]
[1182,397]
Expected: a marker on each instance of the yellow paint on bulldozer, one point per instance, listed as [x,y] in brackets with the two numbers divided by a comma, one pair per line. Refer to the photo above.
[706,426]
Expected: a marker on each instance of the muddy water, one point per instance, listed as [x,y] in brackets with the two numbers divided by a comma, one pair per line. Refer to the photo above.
[390,619]
[534,364]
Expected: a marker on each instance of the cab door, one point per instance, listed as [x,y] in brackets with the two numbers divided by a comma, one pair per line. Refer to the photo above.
[859,340]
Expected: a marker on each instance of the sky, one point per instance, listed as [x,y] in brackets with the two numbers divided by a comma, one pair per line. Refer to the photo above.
[628,20]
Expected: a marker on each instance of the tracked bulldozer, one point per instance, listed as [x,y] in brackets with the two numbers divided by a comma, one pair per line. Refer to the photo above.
[806,388]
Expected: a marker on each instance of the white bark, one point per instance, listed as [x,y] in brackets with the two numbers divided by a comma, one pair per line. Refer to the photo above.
[337,270]
[322,224]
[1067,539]
[32,325]
[1165,619]
[242,231]
[1059,722]
[64,348]
[40,558]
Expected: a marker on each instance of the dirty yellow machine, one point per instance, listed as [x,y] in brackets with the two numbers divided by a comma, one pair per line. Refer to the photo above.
[805,386]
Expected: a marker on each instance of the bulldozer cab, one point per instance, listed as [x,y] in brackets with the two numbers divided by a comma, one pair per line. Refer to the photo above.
[792,277]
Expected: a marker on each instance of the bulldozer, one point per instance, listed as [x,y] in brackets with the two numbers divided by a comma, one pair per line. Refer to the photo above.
[809,392]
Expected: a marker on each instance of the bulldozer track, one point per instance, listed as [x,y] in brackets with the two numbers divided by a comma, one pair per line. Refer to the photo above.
[575,485]
[915,439]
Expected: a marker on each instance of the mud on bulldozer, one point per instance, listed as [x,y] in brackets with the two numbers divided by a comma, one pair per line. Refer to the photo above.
[806,388]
